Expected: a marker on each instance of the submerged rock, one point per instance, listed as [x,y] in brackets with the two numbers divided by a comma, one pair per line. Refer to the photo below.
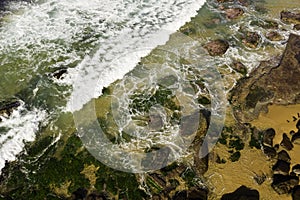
[217,47]
[274,36]
[260,179]
[234,13]
[239,67]
[297,27]
[96,196]
[283,184]
[290,17]
[267,24]
[7,107]
[59,73]
[79,194]
[251,39]
[242,193]
[286,143]
[192,194]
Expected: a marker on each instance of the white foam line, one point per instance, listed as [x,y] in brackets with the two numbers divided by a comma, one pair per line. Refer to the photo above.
[21,128]
[123,52]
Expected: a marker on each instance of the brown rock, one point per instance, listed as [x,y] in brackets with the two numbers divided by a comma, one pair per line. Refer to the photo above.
[217,47]
[234,13]
[290,17]
[251,39]
[274,36]
[239,67]
[275,81]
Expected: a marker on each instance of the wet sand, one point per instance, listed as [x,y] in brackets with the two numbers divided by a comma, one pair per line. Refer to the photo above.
[276,118]
[226,178]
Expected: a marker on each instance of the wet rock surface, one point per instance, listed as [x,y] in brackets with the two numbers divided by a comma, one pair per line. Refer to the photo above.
[286,143]
[6,107]
[217,47]
[296,169]
[296,192]
[268,137]
[281,167]
[234,13]
[192,194]
[274,81]
[274,36]
[283,155]
[269,151]
[283,184]
[251,39]
[242,193]
[290,17]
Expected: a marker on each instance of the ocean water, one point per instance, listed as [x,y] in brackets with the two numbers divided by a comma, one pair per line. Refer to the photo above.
[40,38]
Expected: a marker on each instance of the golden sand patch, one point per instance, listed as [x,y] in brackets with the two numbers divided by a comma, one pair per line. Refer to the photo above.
[226,178]
[89,172]
[62,190]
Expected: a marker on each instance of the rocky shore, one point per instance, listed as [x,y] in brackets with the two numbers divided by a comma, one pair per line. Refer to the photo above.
[64,169]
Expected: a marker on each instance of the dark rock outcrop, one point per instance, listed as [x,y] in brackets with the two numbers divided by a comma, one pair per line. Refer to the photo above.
[217,47]
[283,155]
[79,194]
[296,192]
[7,107]
[286,143]
[283,184]
[275,81]
[192,194]
[281,167]
[269,151]
[298,125]
[296,137]
[242,193]
[296,169]
[268,137]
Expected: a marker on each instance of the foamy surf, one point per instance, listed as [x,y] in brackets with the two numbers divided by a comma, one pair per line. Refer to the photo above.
[20,127]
